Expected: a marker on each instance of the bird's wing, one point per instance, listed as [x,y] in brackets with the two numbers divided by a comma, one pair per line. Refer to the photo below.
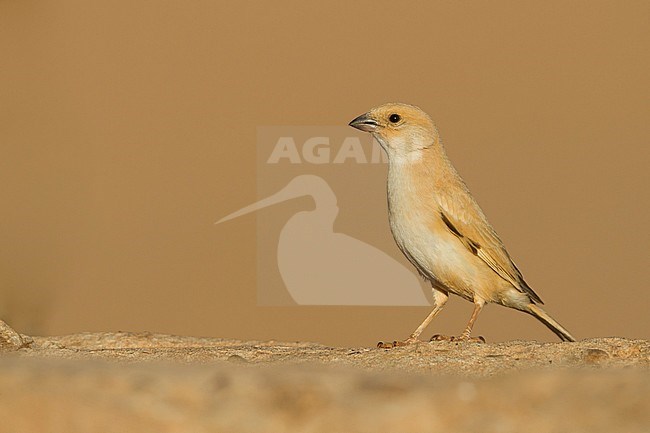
[466,220]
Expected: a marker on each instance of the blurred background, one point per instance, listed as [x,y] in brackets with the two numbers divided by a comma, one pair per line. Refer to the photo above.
[128,128]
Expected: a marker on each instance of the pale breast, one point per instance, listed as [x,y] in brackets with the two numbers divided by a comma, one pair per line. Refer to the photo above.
[426,241]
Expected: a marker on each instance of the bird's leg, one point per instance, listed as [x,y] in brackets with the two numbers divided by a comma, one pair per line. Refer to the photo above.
[440,298]
[467,333]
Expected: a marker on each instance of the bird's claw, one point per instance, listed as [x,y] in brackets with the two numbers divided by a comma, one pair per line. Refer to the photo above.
[465,338]
[389,345]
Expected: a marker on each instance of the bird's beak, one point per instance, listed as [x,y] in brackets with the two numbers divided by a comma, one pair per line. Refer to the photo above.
[365,123]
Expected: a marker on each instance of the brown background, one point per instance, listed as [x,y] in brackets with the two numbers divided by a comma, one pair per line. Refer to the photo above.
[127,128]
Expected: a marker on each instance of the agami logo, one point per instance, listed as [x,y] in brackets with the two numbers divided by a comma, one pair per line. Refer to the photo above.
[318,150]
[303,258]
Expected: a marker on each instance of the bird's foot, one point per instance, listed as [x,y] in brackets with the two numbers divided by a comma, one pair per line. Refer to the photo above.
[388,345]
[458,338]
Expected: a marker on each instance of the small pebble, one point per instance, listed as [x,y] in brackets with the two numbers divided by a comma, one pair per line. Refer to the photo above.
[236,359]
[9,339]
[594,356]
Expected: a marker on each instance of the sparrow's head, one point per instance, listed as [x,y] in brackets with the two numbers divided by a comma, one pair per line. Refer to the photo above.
[399,128]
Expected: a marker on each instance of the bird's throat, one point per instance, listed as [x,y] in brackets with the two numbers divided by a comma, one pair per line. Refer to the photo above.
[412,180]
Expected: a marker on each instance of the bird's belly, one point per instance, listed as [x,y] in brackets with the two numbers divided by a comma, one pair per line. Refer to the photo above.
[441,257]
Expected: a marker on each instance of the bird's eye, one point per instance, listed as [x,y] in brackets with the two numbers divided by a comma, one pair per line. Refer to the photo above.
[394,118]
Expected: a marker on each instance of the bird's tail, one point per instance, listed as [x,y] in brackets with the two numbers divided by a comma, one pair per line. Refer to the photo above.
[551,323]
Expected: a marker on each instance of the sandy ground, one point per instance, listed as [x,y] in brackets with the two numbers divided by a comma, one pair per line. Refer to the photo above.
[126,382]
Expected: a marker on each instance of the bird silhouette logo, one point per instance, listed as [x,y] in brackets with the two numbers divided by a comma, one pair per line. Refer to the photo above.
[322,267]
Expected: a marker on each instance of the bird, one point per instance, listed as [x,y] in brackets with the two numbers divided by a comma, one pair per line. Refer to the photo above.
[439,226]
